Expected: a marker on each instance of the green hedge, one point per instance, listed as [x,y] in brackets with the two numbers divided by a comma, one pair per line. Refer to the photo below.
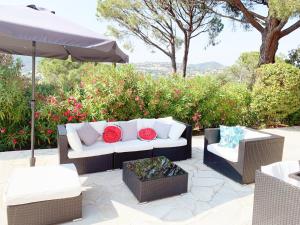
[276,93]
[107,93]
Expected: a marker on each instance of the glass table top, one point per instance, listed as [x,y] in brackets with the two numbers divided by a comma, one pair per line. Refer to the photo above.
[154,168]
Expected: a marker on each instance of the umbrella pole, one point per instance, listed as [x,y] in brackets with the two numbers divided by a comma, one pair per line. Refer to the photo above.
[32,159]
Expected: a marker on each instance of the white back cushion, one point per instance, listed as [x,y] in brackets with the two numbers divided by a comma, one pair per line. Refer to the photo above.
[73,138]
[99,126]
[145,123]
[176,130]
[250,134]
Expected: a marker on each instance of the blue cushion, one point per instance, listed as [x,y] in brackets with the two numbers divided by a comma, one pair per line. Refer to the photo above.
[230,136]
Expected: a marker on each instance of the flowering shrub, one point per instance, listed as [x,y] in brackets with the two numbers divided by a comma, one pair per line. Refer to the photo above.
[107,93]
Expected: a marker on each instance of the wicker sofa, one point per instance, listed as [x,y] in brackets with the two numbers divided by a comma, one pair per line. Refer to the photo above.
[115,159]
[261,149]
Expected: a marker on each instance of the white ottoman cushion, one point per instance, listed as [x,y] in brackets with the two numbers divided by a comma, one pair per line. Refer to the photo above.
[42,183]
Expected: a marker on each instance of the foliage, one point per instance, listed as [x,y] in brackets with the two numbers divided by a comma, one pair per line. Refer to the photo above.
[122,93]
[243,71]
[159,23]
[281,19]
[294,57]
[276,93]
[144,20]
[61,73]
[284,9]
[14,107]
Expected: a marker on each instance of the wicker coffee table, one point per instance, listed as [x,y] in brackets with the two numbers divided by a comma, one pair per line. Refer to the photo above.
[154,178]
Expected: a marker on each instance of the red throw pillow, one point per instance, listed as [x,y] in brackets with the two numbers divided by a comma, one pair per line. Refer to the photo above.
[147,134]
[112,134]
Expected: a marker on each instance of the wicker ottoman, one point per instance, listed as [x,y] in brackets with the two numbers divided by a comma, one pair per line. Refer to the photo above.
[43,195]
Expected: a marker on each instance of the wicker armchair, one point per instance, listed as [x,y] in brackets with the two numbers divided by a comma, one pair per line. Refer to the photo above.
[252,154]
[275,201]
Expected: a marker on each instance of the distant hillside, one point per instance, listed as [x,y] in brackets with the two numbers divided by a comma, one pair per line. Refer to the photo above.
[162,68]
[26,61]
[155,68]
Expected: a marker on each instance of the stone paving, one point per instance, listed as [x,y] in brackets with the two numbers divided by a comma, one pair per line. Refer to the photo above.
[212,199]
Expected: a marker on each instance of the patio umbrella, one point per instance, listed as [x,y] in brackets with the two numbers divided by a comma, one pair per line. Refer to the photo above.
[37,32]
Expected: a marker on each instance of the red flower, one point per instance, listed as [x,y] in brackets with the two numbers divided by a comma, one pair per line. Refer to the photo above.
[49,131]
[14,141]
[70,118]
[111,120]
[67,113]
[55,118]
[37,115]
[3,130]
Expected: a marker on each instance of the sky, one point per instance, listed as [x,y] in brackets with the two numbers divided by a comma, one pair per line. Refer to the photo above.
[232,41]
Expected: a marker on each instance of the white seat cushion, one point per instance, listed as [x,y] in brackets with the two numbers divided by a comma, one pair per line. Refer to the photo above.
[35,184]
[230,154]
[168,143]
[133,146]
[99,148]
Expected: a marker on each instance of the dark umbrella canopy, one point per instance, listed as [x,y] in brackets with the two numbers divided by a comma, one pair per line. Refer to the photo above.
[33,31]
[55,37]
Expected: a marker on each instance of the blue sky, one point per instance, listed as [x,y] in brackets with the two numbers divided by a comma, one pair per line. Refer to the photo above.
[232,41]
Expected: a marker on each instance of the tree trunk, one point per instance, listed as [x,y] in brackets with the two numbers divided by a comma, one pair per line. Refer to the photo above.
[173,58]
[187,41]
[270,42]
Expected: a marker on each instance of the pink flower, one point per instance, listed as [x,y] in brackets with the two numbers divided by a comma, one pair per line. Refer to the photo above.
[71,100]
[53,100]
[37,115]
[177,92]
[137,98]
[78,105]
[196,117]
[49,131]
[3,130]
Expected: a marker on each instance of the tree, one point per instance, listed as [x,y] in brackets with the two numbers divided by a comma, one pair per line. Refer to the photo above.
[244,69]
[282,18]
[61,73]
[193,18]
[294,57]
[143,19]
